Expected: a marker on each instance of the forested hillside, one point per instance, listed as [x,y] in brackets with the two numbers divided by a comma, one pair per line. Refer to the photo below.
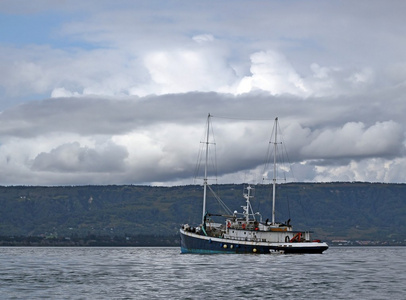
[331,210]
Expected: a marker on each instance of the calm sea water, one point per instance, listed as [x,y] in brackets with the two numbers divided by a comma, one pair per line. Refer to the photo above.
[155,273]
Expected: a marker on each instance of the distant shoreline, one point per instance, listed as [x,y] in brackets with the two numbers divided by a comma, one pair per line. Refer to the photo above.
[93,241]
[144,241]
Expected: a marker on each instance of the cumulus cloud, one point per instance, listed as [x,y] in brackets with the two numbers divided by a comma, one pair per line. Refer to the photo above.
[71,157]
[353,140]
[181,71]
[272,72]
[118,93]
[121,52]
[372,170]
[203,38]
[105,140]
[62,92]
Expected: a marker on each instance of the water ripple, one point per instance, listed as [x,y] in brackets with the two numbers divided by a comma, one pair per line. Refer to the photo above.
[155,273]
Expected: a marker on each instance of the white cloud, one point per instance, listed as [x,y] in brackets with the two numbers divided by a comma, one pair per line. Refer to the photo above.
[203,38]
[106,140]
[130,83]
[272,72]
[354,140]
[62,92]
[72,158]
[181,71]
[362,77]
[371,170]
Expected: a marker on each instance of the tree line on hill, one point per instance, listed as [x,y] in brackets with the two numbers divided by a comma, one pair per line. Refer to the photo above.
[333,211]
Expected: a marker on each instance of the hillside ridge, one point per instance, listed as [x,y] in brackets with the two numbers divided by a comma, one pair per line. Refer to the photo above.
[337,210]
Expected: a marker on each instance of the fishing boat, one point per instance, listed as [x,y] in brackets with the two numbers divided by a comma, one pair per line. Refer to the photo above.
[245,232]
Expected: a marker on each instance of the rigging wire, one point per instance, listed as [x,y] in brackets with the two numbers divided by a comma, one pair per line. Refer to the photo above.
[223,205]
[281,152]
[284,165]
[212,163]
[242,119]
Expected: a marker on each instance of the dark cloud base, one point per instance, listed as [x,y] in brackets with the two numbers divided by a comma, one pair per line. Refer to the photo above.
[325,132]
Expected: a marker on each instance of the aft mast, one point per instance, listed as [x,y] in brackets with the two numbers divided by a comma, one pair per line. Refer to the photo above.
[205,169]
[274,171]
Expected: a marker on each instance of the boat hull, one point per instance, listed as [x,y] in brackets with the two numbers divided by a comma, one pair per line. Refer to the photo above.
[201,244]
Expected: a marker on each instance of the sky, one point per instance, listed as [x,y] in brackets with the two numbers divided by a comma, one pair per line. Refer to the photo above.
[118,92]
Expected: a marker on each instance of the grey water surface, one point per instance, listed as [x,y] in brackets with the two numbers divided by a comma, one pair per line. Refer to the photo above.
[158,273]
